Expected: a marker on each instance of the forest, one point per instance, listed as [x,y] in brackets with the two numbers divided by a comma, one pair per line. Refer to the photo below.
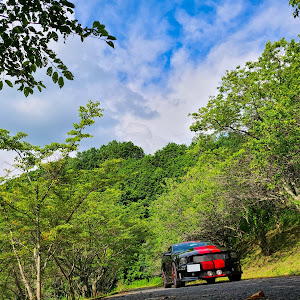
[82,224]
[74,227]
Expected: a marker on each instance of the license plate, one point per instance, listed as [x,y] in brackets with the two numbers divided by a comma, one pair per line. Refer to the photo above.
[193,268]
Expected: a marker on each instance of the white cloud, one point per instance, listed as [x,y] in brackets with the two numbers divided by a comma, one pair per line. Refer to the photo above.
[188,84]
[144,101]
[228,11]
[35,108]
[6,163]
[205,30]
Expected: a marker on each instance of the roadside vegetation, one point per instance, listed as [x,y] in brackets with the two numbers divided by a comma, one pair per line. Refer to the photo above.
[99,222]
[284,261]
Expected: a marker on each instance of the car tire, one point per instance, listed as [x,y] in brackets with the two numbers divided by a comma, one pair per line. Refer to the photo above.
[176,282]
[164,280]
[235,277]
[210,280]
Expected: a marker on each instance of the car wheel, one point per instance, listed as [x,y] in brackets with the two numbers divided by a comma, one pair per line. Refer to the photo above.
[210,280]
[177,283]
[164,280]
[235,277]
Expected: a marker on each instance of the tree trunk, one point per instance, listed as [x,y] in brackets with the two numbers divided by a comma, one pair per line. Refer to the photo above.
[22,294]
[24,280]
[293,191]
[38,256]
[71,290]
[264,245]
[94,285]
[21,269]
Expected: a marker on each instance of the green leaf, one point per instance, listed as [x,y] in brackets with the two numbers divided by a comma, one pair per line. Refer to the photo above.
[96,24]
[99,26]
[26,91]
[61,82]
[110,37]
[55,77]
[32,29]
[49,71]
[68,75]
[9,83]
[52,35]
[33,68]
[1,85]
[68,4]
[17,29]
[62,67]
[103,33]
[25,63]
[110,43]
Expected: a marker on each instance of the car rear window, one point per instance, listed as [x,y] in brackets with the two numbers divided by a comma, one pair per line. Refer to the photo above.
[189,246]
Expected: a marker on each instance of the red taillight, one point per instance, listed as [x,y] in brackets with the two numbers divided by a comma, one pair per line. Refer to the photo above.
[219,263]
[207,265]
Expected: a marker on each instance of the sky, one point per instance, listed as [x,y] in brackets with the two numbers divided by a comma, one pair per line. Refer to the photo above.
[168,59]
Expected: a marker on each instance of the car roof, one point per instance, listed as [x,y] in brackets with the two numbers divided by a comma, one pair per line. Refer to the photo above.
[191,242]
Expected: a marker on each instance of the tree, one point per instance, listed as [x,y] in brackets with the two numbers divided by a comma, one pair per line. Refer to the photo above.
[93,157]
[26,200]
[146,177]
[64,226]
[26,30]
[219,199]
[261,102]
[100,241]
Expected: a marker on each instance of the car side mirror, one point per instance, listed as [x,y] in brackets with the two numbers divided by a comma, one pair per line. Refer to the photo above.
[167,254]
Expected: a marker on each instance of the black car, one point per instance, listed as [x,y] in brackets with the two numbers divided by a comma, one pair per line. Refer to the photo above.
[198,260]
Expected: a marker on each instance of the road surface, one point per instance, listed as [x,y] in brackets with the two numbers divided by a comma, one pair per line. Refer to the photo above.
[285,288]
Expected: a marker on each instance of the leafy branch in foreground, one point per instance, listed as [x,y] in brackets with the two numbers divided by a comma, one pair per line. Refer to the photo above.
[27,29]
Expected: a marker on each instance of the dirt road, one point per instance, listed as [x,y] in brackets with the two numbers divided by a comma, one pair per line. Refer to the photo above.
[285,288]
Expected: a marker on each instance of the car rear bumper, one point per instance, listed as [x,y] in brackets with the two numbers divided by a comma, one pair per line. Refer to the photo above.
[192,276]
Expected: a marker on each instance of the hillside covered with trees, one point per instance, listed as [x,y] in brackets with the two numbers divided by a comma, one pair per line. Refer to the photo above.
[76,226]
[108,214]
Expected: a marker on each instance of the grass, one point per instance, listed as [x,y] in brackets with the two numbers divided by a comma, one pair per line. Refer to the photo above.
[284,261]
[138,284]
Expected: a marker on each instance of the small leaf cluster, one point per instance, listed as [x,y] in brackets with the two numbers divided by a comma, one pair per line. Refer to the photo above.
[295,4]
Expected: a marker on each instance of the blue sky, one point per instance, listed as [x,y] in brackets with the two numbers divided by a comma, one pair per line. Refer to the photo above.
[168,59]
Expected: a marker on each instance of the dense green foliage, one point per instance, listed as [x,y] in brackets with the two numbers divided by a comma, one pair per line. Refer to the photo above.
[88,231]
[144,175]
[93,157]
[261,102]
